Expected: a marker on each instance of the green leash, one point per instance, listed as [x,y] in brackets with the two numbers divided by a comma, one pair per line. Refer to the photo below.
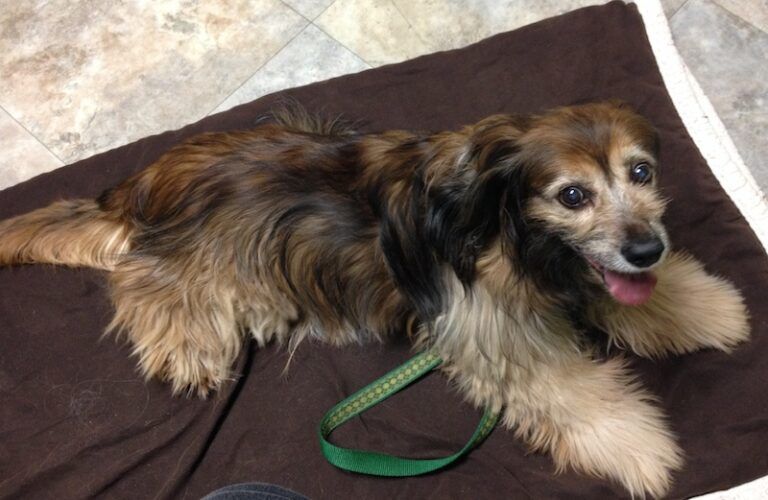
[380,464]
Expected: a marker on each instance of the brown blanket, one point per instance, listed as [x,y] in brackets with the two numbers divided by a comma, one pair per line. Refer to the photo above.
[77,421]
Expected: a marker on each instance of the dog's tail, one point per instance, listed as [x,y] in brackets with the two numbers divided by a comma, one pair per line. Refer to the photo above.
[72,233]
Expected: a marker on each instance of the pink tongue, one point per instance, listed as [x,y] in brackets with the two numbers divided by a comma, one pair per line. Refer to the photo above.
[630,289]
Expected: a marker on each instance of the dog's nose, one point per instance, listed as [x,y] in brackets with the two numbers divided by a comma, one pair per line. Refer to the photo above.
[643,252]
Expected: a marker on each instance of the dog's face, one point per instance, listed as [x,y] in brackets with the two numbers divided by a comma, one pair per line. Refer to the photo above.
[594,184]
[571,194]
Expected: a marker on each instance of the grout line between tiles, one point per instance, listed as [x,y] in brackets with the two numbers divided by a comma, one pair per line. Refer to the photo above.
[415,31]
[305,17]
[44,145]
[735,15]
[323,12]
[261,65]
[312,22]
[299,13]
[340,43]
[678,9]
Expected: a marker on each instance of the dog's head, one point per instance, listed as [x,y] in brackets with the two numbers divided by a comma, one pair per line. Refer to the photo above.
[592,180]
[574,195]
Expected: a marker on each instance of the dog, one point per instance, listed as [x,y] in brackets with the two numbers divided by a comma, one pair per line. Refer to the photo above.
[498,246]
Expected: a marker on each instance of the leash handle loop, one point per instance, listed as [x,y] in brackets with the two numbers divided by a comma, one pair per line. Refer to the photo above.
[380,464]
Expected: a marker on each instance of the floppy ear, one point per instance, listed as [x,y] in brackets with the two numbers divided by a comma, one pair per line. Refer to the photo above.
[464,219]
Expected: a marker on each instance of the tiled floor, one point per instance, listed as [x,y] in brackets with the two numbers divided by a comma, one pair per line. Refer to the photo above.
[83,77]
[77,78]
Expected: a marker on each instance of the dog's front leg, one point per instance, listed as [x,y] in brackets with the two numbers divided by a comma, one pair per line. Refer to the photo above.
[595,418]
[689,309]
[592,416]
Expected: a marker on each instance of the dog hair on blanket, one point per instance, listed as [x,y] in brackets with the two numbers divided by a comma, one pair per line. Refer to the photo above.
[497,245]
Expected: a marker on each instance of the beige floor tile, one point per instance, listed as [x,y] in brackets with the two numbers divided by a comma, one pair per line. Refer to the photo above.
[309,8]
[672,6]
[752,11]
[447,24]
[729,58]
[23,156]
[373,29]
[310,57]
[85,77]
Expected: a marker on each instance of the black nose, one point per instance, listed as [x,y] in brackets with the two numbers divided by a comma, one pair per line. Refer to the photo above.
[643,252]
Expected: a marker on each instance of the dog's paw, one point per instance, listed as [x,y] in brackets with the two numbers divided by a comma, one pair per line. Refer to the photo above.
[635,450]
[647,468]
[189,373]
[706,310]
[689,310]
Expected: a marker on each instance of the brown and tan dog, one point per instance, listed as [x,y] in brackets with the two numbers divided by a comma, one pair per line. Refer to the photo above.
[497,245]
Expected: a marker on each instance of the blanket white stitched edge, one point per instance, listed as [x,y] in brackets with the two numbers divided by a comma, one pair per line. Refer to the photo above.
[716,146]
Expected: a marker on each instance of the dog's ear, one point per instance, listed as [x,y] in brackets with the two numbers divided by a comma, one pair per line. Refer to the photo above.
[464,219]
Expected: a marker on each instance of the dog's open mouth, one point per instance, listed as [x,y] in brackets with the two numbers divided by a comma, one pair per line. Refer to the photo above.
[632,289]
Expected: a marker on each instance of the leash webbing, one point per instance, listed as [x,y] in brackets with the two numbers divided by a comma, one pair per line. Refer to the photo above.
[380,464]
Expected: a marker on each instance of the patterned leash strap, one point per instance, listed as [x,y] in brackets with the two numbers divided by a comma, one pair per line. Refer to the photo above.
[380,464]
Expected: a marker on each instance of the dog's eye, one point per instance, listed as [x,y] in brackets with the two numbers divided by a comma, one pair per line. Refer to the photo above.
[640,173]
[572,197]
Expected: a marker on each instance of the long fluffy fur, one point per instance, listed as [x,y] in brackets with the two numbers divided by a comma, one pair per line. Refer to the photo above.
[305,228]
[71,233]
